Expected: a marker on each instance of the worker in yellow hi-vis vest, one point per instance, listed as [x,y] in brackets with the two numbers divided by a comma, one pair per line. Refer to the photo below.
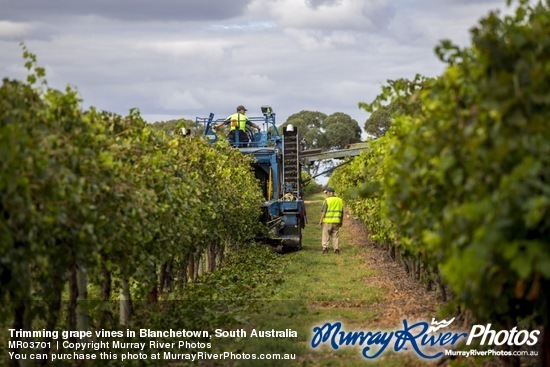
[332,216]
[238,122]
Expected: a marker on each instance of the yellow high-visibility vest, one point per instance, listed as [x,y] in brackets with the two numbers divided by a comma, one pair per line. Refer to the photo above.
[238,121]
[335,208]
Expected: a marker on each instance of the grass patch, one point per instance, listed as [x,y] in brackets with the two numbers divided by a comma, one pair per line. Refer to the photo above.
[316,288]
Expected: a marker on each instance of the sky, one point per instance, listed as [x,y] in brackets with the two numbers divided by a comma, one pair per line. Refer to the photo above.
[176,59]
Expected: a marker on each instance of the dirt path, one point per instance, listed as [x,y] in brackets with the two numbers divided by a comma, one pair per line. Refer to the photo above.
[404,297]
[362,288]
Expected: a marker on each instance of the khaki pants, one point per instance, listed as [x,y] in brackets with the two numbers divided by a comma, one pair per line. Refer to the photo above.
[330,232]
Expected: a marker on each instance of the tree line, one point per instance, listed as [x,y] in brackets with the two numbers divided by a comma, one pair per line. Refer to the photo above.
[317,131]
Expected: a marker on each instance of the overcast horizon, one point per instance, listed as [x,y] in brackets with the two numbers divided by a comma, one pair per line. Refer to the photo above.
[182,59]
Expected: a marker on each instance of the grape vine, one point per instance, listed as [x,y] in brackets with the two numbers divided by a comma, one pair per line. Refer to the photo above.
[92,200]
[460,184]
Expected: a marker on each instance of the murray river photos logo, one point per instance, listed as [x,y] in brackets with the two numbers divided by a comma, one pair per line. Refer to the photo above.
[426,340]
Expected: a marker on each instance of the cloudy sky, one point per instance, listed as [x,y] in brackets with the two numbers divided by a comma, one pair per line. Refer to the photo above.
[187,58]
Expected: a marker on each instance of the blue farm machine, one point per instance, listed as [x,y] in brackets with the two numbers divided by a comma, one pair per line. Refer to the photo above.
[277,167]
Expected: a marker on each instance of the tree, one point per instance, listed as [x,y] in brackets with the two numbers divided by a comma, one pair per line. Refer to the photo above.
[340,130]
[309,125]
[379,121]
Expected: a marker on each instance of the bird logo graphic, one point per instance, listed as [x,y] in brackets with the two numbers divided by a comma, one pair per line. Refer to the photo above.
[439,325]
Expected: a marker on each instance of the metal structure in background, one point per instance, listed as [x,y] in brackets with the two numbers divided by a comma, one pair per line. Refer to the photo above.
[313,155]
[352,150]
[277,167]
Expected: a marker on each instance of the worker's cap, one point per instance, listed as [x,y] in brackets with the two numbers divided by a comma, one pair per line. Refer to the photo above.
[241,108]
[329,189]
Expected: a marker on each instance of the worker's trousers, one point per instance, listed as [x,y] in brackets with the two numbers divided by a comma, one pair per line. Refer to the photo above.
[331,233]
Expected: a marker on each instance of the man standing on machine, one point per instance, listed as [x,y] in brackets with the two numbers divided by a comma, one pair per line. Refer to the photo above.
[238,122]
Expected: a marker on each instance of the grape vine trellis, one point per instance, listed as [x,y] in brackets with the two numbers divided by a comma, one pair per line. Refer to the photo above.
[92,198]
[460,184]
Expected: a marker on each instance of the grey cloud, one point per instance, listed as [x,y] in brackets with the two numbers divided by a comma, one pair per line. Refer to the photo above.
[316,3]
[178,69]
[128,10]
[329,15]
[381,16]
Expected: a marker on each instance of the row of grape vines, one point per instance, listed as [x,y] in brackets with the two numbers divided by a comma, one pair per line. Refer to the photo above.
[459,186]
[92,201]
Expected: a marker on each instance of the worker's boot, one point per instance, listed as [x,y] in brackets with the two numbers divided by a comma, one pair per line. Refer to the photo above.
[337,252]
[325,251]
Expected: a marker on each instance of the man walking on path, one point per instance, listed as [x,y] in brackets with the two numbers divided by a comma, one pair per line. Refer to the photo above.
[332,215]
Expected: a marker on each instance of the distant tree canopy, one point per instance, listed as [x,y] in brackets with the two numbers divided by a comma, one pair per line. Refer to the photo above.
[380,121]
[341,130]
[318,130]
[309,124]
